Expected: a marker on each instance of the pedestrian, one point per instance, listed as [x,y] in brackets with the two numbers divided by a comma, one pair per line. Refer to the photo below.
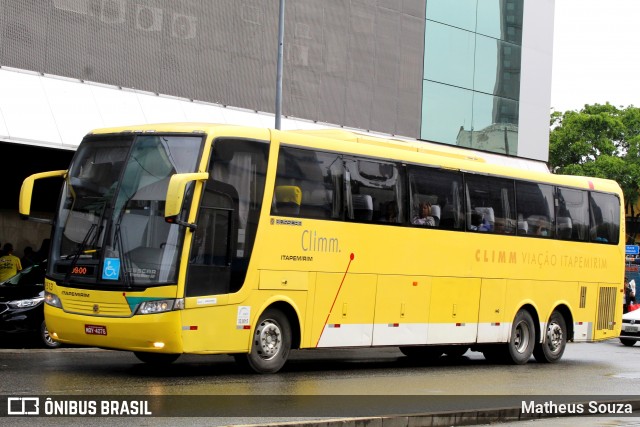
[28,257]
[43,252]
[10,264]
[629,295]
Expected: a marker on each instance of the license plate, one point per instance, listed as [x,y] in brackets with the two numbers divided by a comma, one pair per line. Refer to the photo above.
[626,329]
[95,330]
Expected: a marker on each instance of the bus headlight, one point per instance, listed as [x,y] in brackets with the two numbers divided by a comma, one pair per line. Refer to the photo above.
[160,306]
[52,300]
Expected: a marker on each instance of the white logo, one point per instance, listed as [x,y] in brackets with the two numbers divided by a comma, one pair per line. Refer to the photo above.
[23,406]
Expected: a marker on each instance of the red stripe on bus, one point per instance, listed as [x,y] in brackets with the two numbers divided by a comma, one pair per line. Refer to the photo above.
[351,257]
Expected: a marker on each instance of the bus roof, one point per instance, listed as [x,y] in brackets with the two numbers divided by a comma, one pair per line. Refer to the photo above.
[446,156]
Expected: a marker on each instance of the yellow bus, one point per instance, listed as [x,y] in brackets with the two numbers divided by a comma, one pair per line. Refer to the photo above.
[213,239]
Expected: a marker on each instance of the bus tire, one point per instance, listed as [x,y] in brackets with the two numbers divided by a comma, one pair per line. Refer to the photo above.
[522,339]
[156,358]
[554,340]
[270,345]
[423,352]
[45,338]
[627,342]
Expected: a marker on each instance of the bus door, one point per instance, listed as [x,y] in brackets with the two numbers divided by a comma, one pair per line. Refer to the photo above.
[213,242]
[222,243]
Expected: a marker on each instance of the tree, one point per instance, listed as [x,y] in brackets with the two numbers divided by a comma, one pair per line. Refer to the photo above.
[601,141]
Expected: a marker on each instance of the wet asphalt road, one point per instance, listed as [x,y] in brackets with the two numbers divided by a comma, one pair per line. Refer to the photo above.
[367,381]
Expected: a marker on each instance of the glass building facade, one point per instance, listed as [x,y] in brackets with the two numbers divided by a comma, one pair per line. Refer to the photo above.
[472,68]
[458,72]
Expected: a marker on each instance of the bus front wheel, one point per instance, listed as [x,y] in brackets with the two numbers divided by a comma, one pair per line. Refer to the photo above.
[554,340]
[270,345]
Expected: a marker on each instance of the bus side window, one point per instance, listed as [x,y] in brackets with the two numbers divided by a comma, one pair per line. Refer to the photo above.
[362,207]
[288,198]
[442,189]
[564,227]
[485,219]
[535,207]
[605,217]
[573,203]
[491,204]
[372,185]
[309,184]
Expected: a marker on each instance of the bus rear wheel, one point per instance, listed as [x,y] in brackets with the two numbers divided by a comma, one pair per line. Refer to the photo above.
[522,339]
[156,358]
[270,345]
[554,340]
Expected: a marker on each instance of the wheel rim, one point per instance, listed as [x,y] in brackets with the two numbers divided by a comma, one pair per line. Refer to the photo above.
[47,337]
[522,337]
[269,339]
[554,337]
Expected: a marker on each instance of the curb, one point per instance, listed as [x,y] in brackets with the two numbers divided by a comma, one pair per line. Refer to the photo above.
[447,418]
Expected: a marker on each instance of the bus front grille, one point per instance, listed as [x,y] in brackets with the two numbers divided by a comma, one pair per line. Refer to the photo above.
[97,308]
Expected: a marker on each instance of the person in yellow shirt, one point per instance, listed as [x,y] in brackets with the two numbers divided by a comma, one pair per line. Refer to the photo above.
[9,263]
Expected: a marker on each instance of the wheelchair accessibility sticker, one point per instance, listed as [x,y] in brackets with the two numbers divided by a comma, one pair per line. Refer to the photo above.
[111,269]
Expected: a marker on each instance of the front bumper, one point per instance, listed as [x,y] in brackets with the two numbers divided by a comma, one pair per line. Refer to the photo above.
[151,332]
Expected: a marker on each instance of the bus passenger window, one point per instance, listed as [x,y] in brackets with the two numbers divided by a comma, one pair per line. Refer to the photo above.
[373,185]
[482,219]
[564,227]
[605,217]
[390,210]
[318,177]
[491,202]
[536,209]
[539,225]
[288,198]
[362,207]
[574,204]
[440,189]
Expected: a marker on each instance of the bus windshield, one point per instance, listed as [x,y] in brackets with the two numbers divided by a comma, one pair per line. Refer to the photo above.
[111,228]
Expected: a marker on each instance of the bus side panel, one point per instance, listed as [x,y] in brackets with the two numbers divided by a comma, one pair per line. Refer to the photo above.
[453,317]
[491,321]
[402,310]
[344,306]
[585,311]
[214,329]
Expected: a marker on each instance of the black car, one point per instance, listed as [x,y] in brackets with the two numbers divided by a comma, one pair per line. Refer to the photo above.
[22,305]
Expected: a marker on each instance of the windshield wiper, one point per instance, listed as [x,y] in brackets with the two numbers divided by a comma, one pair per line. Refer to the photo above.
[80,250]
[126,262]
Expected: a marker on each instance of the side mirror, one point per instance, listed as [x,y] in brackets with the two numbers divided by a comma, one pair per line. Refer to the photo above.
[175,196]
[26,193]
